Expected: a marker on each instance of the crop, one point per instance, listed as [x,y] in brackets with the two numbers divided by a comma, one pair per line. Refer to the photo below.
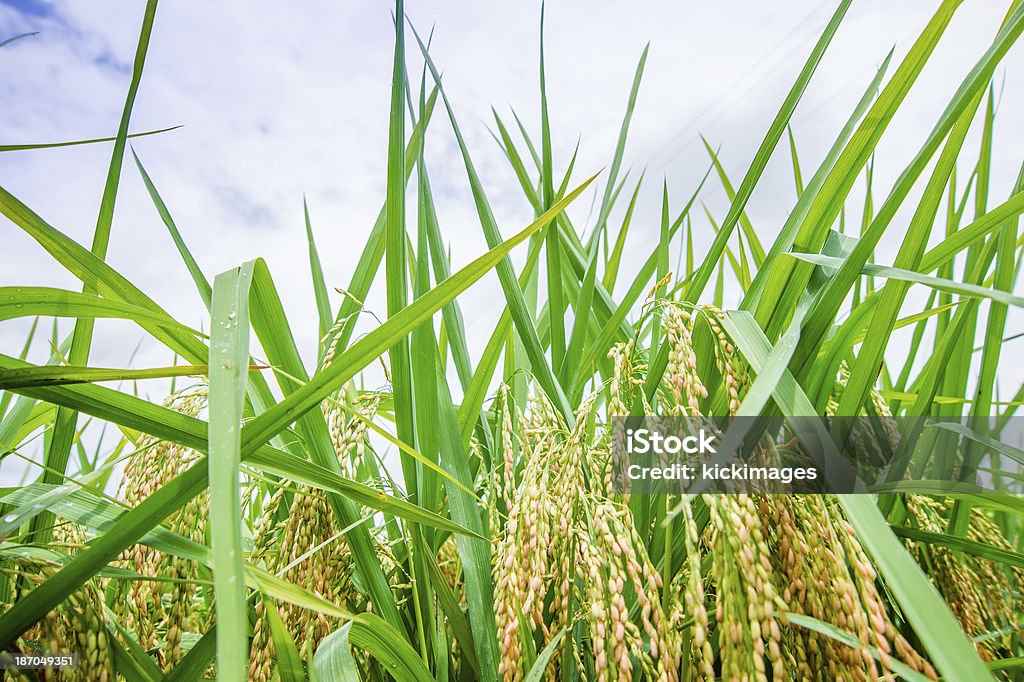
[258,532]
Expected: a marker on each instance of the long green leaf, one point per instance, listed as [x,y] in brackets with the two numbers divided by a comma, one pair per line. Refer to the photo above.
[27,377]
[55,458]
[286,655]
[202,284]
[75,143]
[334,661]
[323,305]
[229,355]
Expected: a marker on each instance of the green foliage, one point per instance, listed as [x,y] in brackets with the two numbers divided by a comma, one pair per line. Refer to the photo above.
[404,579]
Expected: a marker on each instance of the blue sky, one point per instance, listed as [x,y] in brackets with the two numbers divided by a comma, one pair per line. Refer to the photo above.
[276,104]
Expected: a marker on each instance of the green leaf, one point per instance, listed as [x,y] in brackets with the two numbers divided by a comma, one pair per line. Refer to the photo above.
[611,268]
[10,40]
[187,485]
[788,233]
[286,655]
[73,143]
[55,458]
[620,148]
[942,284]
[18,302]
[229,355]
[323,304]
[747,228]
[978,549]
[536,673]
[202,284]
[851,640]
[197,660]
[449,604]
[108,283]
[779,293]
[506,274]
[131,660]
[369,260]
[27,377]
[475,553]
[140,415]
[274,333]
[823,315]
[333,659]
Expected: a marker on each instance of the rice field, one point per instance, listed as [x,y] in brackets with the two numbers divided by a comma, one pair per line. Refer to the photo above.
[279,519]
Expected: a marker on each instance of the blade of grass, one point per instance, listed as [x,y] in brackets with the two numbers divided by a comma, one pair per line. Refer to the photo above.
[911,277]
[75,143]
[274,332]
[620,146]
[795,160]
[539,666]
[373,251]
[323,305]
[334,661]
[12,39]
[902,669]
[395,265]
[27,377]
[286,654]
[780,294]
[959,544]
[747,228]
[611,268]
[229,356]
[552,239]
[58,450]
[18,302]
[821,318]
[865,368]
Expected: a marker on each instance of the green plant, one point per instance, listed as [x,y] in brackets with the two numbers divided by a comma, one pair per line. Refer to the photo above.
[257,532]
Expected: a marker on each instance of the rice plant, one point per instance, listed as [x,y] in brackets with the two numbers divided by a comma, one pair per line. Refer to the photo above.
[273,519]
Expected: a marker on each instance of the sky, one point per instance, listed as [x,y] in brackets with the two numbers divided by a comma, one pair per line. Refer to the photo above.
[277,103]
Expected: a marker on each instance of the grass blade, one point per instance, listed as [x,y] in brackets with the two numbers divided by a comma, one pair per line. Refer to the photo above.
[56,456]
[323,305]
[75,143]
[229,356]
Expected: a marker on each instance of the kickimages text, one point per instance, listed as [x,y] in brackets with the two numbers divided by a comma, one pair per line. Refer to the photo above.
[719,472]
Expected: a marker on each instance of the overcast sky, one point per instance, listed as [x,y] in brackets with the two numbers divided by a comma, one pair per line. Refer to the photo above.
[281,99]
